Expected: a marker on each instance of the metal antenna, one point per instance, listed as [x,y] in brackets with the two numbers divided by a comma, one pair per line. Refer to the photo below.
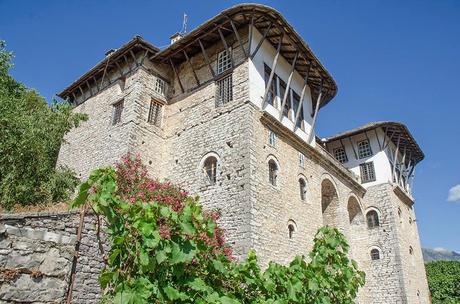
[184,25]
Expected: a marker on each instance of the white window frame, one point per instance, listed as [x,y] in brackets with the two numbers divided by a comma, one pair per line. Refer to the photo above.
[367,172]
[364,149]
[224,61]
[272,138]
[301,160]
[340,154]
[160,86]
[155,113]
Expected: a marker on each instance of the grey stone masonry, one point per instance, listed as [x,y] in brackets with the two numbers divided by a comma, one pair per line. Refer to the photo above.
[37,258]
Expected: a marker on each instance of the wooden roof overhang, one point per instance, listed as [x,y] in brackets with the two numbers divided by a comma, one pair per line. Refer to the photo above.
[111,61]
[269,22]
[396,132]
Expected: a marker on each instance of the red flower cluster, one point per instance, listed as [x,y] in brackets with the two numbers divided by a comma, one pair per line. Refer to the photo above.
[134,185]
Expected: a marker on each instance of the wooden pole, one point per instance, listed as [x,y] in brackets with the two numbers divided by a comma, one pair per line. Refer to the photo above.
[402,164]
[272,73]
[237,35]
[103,74]
[318,101]
[226,46]
[378,140]
[177,75]
[206,58]
[193,69]
[395,158]
[251,29]
[262,40]
[288,86]
[302,95]
[353,147]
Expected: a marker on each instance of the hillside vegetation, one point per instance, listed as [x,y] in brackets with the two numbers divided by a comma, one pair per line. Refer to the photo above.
[30,137]
[444,281]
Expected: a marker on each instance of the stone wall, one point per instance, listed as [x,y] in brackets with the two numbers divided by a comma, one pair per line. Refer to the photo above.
[37,258]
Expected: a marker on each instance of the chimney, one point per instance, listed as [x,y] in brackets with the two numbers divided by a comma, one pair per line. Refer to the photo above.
[176,37]
[110,52]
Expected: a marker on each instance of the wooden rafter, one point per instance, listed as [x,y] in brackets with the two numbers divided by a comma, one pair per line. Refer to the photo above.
[193,69]
[206,58]
[262,40]
[177,75]
[272,73]
[288,86]
[238,38]
[318,102]
[302,95]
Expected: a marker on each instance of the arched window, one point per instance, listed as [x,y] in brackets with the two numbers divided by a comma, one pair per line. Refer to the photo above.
[411,250]
[375,254]
[303,189]
[291,228]
[372,219]
[210,169]
[272,172]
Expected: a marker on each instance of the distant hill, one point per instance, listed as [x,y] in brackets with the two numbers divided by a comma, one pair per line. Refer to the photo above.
[436,254]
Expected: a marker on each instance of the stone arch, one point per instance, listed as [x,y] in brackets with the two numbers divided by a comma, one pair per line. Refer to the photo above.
[373,217]
[355,213]
[203,164]
[329,203]
[274,168]
[304,190]
[292,228]
[375,253]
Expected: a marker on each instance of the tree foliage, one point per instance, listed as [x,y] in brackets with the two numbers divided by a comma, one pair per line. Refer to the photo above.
[30,137]
[444,281]
[166,249]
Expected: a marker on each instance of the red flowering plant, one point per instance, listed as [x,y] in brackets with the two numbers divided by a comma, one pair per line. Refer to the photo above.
[166,249]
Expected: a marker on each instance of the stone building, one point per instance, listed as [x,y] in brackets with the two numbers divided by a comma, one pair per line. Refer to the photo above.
[228,111]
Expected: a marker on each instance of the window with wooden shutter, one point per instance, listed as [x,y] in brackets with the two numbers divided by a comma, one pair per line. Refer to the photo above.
[367,172]
[224,61]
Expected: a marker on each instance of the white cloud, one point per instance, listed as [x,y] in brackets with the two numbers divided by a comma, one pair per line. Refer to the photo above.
[440,249]
[454,194]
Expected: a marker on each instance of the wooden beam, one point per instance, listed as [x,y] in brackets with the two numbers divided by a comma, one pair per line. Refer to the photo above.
[395,158]
[302,95]
[105,71]
[224,42]
[262,40]
[89,88]
[120,70]
[389,140]
[353,147]
[134,57]
[206,58]
[177,75]
[193,69]
[318,101]
[96,83]
[402,164]
[288,87]
[272,73]
[237,35]
[143,57]
[251,29]
[378,140]
[369,141]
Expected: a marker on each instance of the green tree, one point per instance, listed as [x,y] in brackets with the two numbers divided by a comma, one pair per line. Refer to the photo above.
[444,281]
[166,249]
[30,137]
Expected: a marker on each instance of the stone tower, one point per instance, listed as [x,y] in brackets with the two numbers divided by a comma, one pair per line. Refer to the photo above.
[228,111]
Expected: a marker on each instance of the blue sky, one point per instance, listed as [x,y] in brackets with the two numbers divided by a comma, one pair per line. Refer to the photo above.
[392,60]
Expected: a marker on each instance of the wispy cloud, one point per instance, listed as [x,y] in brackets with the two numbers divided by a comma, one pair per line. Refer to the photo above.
[454,194]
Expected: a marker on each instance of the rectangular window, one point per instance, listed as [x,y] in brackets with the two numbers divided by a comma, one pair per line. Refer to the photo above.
[224,90]
[340,155]
[301,160]
[271,138]
[117,110]
[272,91]
[160,86]
[367,172]
[155,113]
[364,149]
[224,61]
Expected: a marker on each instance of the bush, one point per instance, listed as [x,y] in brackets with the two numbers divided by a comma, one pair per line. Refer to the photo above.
[166,249]
[444,281]
[30,138]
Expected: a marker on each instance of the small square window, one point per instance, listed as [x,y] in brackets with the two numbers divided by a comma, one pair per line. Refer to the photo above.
[301,160]
[224,61]
[340,155]
[271,138]
[364,149]
[117,110]
[224,90]
[367,172]
[155,113]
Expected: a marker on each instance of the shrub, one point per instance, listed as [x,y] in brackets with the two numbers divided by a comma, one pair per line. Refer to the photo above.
[444,281]
[166,249]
